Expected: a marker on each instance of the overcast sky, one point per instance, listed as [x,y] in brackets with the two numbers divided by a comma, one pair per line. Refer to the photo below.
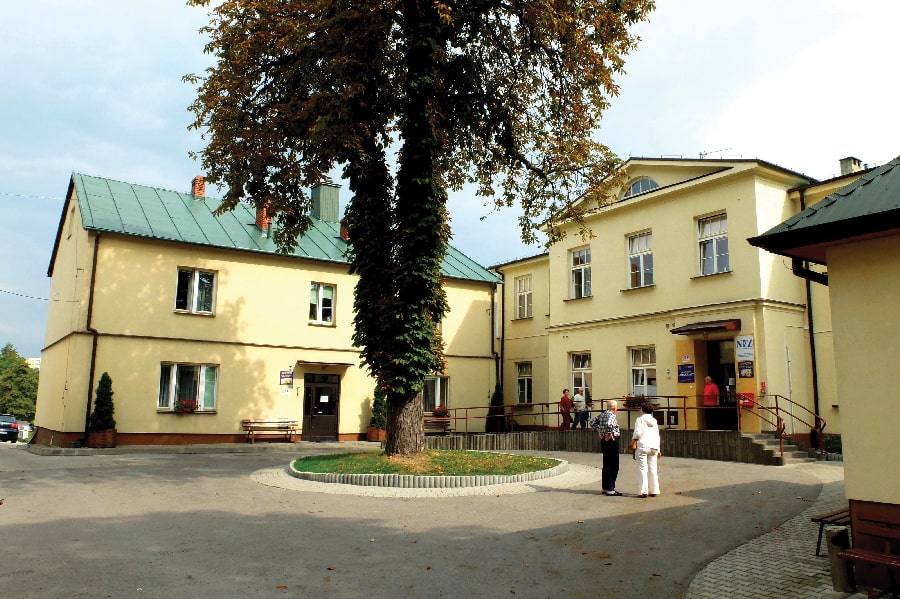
[94,86]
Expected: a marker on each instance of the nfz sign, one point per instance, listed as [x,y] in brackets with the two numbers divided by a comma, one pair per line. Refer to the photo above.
[743,347]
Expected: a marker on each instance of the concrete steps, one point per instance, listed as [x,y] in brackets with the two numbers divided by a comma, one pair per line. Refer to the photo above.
[793,453]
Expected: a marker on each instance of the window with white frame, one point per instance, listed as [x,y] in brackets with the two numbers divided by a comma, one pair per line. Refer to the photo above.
[581,373]
[187,386]
[642,185]
[640,260]
[523,382]
[581,273]
[195,291]
[643,371]
[435,392]
[713,234]
[523,297]
[321,303]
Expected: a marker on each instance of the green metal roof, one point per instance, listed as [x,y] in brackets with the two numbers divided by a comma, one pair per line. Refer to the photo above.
[129,209]
[866,208]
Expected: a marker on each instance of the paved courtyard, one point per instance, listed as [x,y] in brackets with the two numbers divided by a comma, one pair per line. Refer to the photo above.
[215,524]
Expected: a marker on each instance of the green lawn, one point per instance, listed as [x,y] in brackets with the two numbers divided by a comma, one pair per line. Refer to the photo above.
[431,462]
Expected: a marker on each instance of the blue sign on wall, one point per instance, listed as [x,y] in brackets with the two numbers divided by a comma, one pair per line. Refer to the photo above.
[685,373]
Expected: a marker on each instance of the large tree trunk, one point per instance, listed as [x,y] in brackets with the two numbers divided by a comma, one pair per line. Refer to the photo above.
[406,425]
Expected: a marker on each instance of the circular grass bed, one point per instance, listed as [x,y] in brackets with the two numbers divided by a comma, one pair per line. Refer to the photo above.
[430,462]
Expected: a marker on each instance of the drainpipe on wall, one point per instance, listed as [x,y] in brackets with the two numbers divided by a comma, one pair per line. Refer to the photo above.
[95,335]
[502,314]
[809,319]
[498,370]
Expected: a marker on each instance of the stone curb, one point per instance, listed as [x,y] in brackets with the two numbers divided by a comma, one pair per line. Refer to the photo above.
[410,481]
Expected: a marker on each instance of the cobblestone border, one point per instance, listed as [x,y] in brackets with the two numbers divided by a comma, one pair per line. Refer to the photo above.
[410,481]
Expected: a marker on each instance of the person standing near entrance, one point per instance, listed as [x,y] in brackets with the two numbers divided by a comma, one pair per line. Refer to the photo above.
[647,451]
[607,427]
[565,409]
[581,411]
[710,400]
[710,392]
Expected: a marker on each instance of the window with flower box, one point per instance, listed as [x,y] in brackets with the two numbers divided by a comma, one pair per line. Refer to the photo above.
[187,388]
[436,392]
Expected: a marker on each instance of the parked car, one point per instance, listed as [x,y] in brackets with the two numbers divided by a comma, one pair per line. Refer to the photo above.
[9,428]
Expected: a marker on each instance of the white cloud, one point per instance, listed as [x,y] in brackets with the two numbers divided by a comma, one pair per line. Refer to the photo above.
[830,99]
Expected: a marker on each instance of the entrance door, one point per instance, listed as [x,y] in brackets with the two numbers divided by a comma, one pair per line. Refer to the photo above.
[720,366]
[321,394]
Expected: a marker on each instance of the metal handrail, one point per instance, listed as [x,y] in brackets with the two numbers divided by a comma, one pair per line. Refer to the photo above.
[549,416]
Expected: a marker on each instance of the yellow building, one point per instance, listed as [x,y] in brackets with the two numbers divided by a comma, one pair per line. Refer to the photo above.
[665,291]
[178,305]
[855,233]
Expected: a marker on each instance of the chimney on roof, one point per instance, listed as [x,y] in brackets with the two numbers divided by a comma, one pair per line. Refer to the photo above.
[850,165]
[263,218]
[325,202]
[198,186]
[345,230]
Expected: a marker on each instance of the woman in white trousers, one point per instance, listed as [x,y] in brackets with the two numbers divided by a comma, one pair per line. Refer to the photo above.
[647,451]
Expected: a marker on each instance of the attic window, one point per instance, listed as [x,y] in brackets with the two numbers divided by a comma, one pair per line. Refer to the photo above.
[642,185]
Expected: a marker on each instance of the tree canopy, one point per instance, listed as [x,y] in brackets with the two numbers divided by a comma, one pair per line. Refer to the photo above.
[18,384]
[504,95]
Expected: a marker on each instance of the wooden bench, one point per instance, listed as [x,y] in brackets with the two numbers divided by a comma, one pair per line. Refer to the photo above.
[839,517]
[270,426]
[876,546]
[437,425]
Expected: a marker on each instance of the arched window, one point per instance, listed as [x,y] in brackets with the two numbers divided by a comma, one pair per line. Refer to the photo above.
[640,186]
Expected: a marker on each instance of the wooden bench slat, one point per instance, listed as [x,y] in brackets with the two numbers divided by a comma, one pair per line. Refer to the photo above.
[839,517]
[875,558]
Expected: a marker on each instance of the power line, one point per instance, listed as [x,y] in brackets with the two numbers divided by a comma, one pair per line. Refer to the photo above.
[43,299]
[33,197]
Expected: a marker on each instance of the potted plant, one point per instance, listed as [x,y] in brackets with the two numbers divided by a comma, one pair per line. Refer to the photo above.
[377,430]
[185,406]
[440,412]
[102,425]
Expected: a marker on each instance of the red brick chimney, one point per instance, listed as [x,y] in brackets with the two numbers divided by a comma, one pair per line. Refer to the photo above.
[345,232]
[263,219]
[198,186]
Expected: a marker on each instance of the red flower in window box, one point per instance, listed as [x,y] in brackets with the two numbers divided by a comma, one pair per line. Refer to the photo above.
[185,406]
[440,412]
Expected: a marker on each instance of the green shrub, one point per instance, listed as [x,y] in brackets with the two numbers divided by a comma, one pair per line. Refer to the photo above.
[496,421]
[833,443]
[379,410]
[102,416]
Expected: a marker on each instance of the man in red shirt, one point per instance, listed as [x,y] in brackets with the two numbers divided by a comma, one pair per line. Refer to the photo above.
[711,400]
[710,393]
